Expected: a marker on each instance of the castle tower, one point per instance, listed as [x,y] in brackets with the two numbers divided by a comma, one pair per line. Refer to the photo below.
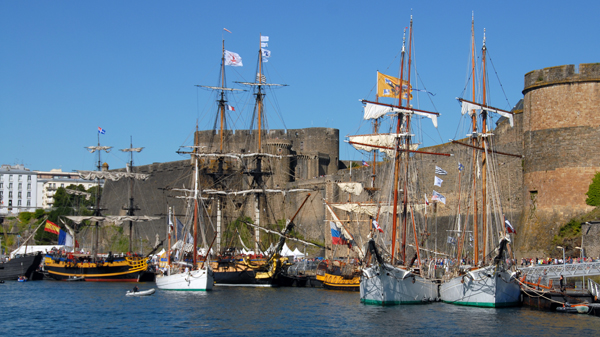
[561,130]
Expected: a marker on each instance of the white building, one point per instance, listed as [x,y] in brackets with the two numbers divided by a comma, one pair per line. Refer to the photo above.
[18,189]
[49,182]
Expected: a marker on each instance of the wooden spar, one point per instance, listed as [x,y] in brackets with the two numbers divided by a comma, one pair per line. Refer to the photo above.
[401,150]
[474,143]
[406,147]
[374,160]
[484,106]
[483,158]
[406,108]
[397,160]
[222,101]
[483,149]
[412,213]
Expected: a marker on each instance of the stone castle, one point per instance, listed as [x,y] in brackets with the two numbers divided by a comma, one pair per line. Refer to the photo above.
[544,181]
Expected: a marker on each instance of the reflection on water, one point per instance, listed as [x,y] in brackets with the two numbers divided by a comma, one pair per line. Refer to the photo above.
[61,308]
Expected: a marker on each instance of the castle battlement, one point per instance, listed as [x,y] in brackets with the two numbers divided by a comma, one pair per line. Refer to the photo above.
[586,72]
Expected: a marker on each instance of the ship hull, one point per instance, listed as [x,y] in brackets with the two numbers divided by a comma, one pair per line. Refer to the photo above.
[195,280]
[237,274]
[482,287]
[120,270]
[338,282]
[389,285]
[20,266]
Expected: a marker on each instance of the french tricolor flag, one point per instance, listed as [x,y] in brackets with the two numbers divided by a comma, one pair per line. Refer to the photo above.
[230,108]
[336,236]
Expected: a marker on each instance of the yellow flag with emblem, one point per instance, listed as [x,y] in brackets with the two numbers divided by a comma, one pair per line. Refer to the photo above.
[389,86]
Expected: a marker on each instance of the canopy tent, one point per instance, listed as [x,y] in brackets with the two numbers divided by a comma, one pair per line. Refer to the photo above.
[34,249]
[298,253]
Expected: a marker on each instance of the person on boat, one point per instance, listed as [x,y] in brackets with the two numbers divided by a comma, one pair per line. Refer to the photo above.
[562,283]
[135,289]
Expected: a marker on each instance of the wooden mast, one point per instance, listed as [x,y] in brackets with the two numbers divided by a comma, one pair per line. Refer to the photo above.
[397,158]
[474,142]
[407,147]
[483,155]
[222,100]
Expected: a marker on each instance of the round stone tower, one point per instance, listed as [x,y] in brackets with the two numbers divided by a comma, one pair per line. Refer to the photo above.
[561,130]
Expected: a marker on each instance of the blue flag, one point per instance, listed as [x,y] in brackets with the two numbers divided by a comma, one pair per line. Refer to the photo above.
[101,130]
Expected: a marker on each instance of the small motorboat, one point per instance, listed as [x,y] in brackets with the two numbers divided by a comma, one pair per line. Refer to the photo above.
[141,293]
[22,279]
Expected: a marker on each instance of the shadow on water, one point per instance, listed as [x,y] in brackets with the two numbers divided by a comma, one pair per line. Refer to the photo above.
[61,308]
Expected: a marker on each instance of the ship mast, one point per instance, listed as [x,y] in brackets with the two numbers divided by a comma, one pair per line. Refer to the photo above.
[397,157]
[474,143]
[130,208]
[483,154]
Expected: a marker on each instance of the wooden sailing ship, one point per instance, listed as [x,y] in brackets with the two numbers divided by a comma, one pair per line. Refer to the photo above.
[96,267]
[490,280]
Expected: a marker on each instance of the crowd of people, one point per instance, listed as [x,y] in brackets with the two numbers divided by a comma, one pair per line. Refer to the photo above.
[525,262]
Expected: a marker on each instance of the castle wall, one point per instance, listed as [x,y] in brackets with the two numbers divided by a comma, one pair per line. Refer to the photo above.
[561,128]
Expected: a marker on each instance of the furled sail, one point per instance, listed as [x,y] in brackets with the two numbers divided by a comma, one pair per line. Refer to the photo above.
[469,107]
[75,192]
[116,219]
[113,176]
[354,188]
[374,111]
[376,141]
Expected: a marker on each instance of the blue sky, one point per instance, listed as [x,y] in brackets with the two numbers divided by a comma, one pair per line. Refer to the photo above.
[130,67]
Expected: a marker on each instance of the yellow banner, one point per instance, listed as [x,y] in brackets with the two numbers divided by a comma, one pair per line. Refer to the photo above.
[389,86]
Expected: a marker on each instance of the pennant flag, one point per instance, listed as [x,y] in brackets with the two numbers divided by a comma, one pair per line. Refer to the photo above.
[233,59]
[376,226]
[227,30]
[336,236]
[460,167]
[101,130]
[440,171]
[261,78]
[230,108]
[264,45]
[264,39]
[51,227]
[438,181]
[437,196]
[426,200]
[389,86]
[365,163]
[509,227]
[65,239]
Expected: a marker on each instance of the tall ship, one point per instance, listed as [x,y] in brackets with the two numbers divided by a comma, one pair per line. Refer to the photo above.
[486,278]
[389,275]
[237,184]
[98,267]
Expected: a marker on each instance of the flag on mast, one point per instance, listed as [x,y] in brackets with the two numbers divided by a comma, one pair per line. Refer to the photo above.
[51,227]
[376,226]
[101,130]
[440,171]
[438,181]
[233,59]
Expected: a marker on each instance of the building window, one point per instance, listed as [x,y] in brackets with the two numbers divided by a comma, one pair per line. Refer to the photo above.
[10,178]
[28,202]
[20,177]
[20,185]
[10,186]
[28,178]
[28,186]
[28,194]
[62,185]
[1,194]
[10,194]
[18,202]
[20,195]
[1,185]
[53,185]
[9,203]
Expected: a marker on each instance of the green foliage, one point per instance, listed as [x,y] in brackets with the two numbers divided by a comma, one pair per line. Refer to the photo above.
[39,213]
[593,192]
[571,230]
[25,217]
[230,236]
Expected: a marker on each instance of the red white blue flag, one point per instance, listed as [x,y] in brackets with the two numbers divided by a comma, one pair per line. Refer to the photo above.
[509,227]
[364,163]
[376,226]
[101,130]
[336,235]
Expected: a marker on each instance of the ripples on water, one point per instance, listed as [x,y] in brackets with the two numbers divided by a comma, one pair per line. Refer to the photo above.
[102,309]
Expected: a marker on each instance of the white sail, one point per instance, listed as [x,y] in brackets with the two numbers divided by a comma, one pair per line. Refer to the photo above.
[377,141]
[468,107]
[354,188]
[113,176]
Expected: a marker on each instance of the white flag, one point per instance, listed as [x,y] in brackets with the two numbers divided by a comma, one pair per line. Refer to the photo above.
[437,196]
[440,171]
[233,59]
[264,44]
[264,39]
[438,181]
[265,55]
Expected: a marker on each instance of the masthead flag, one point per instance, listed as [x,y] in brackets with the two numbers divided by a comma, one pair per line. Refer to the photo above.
[101,130]
[227,30]
[233,59]
[264,39]
[389,86]
[336,236]
[364,163]
[460,167]
[230,108]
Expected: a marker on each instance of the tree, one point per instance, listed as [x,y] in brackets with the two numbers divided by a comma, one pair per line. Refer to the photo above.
[593,192]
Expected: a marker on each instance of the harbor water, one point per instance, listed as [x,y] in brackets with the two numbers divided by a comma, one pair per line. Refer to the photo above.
[53,308]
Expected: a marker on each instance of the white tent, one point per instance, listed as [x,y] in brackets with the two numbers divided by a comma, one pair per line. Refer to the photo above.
[286,251]
[297,253]
[35,249]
